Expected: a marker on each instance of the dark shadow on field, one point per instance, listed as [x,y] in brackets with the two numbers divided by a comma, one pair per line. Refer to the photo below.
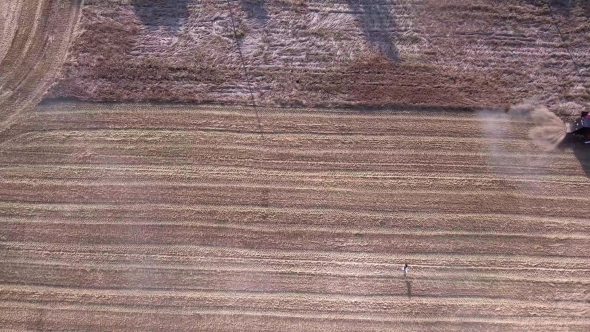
[377,23]
[255,9]
[581,152]
[409,287]
[154,14]
[563,6]
[569,4]
[38,324]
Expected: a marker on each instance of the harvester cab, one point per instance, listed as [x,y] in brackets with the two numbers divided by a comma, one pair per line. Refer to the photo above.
[580,127]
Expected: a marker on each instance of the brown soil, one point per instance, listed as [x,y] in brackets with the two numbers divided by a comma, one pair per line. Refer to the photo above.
[125,217]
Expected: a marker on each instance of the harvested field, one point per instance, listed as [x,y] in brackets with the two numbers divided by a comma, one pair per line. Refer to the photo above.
[175,217]
[339,52]
[139,217]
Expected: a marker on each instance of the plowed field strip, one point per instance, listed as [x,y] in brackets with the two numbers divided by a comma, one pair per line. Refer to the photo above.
[275,153]
[310,285]
[304,161]
[358,231]
[289,302]
[461,259]
[546,268]
[20,318]
[299,139]
[400,201]
[439,185]
[61,171]
[357,221]
[227,176]
[195,211]
[176,154]
[277,121]
[529,321]
[346,262]
[296,240]
[317,151]
[128,264]
[9,12]
[320,142]
[323,240]
[359,271]
[303,115]
[196,137]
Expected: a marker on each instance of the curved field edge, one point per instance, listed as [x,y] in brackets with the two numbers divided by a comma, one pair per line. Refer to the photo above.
[9,11]
[35,39]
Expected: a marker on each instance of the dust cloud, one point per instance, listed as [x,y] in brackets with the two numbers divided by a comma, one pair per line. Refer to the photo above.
[548,131]
[502,129]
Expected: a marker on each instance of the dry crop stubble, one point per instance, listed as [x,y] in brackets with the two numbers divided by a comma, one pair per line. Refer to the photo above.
[184,216]
[171,217]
